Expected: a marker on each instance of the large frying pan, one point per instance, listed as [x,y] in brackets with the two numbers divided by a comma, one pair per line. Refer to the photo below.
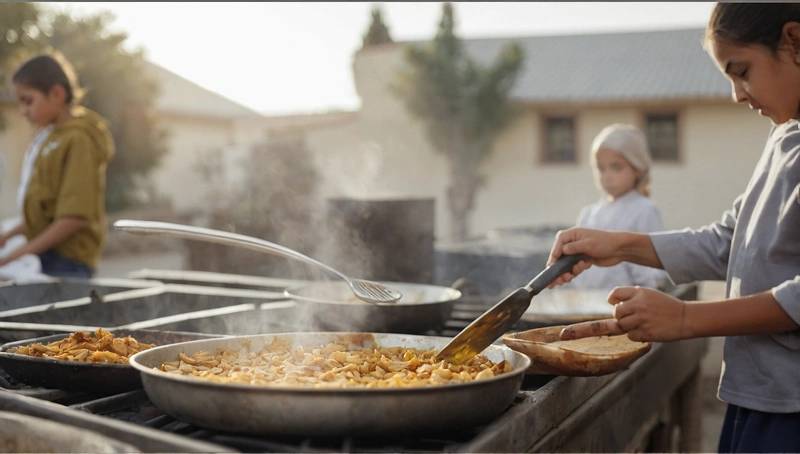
[327,412]
[331,306]
[99,378]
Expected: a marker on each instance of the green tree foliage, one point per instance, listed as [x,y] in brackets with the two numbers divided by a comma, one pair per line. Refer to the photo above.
[18,31]
[115,80]
[463,107]
[378,32]
[118,88]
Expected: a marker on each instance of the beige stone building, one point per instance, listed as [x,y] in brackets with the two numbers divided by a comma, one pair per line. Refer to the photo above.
[14,139]
[538,172]
[571,87]
[204,130]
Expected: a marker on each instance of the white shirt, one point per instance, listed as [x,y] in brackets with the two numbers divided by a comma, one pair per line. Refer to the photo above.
[29,162]
[632,212]
[28,267]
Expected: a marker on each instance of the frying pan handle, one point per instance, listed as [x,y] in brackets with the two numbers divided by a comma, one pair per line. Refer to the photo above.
[546,277]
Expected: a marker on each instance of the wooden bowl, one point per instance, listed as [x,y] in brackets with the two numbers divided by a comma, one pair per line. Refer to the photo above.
[597,355]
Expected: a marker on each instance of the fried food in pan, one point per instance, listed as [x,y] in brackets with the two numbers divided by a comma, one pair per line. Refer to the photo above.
[92,347]
[332,366]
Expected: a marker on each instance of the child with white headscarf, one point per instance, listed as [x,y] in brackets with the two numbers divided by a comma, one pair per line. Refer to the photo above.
[621,165]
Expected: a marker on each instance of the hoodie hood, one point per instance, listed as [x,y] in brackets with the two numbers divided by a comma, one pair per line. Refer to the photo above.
[89,122]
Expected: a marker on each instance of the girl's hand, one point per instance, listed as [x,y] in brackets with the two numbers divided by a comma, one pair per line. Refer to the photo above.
[644,314]
[601,246]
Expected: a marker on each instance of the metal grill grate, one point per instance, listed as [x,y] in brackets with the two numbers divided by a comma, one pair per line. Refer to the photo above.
[135,408]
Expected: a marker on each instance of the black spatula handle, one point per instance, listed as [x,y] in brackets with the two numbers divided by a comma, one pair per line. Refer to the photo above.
[546,277]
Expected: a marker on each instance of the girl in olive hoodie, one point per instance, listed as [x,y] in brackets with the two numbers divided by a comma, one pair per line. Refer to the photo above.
[62,188]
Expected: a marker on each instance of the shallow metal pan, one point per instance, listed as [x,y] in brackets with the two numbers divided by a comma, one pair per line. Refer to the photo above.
[98,378]
[327,412]
[331,306]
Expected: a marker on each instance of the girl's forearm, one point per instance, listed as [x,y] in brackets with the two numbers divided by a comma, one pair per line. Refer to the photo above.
[638,248]
[57,232]
[754,314]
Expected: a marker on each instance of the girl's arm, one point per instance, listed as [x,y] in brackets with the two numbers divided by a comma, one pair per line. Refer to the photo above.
[637,248]
[754,314]
[58,231]
[688,255]
[605,248]
[650,315]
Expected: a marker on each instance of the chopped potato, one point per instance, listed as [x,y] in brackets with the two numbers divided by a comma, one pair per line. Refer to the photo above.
[332,366]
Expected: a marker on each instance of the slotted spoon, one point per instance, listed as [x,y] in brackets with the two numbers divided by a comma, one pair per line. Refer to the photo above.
[368,291]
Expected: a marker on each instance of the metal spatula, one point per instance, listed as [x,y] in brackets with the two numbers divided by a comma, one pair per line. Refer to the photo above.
[496,321]
[369,291]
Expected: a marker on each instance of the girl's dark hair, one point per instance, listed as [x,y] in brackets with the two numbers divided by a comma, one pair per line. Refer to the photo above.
[751,23]
[43,72]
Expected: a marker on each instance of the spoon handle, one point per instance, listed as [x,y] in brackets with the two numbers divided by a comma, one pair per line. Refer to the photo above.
[546,277]
[220,237]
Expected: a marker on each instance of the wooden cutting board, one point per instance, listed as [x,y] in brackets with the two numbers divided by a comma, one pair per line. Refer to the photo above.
[596,355]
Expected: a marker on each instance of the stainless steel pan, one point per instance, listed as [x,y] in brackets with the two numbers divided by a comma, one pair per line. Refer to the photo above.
[329,306]
[327,412]
[99,378]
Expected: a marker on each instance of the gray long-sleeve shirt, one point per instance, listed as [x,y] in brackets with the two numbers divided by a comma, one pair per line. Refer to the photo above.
[755,247]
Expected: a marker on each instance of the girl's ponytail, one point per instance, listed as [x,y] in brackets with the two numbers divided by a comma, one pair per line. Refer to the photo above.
[43,72]
[750,23]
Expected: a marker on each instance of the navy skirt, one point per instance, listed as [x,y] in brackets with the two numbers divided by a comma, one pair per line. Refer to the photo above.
[56,265]
[755,431]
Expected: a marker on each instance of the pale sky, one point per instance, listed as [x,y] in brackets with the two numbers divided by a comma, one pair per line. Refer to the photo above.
[296,57]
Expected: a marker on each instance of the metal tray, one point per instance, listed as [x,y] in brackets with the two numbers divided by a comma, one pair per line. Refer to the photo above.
[14,295]
[131,306]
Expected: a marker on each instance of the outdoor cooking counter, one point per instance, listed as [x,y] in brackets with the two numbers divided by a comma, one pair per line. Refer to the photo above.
[639,409]
[633,410]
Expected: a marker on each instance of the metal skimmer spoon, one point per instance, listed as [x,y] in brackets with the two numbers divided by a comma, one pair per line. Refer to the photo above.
[369,291]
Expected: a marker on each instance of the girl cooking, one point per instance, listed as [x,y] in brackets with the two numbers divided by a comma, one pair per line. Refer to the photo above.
[755,247]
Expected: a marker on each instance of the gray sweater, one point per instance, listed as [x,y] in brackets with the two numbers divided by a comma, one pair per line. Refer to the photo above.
[755,247]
